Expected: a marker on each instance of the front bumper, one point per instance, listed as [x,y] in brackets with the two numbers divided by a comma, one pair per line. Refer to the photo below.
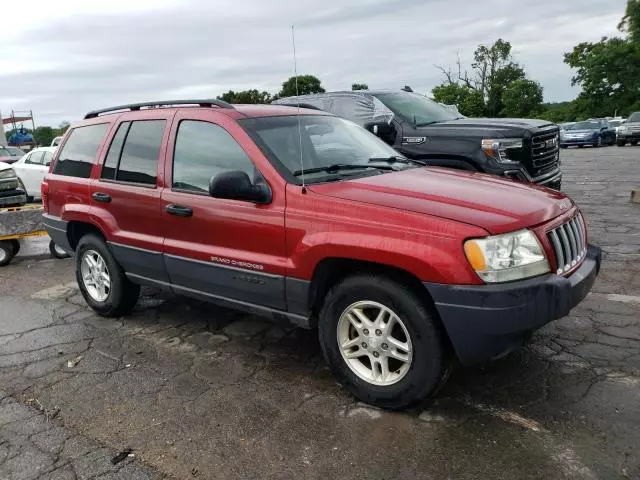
[629,137]
[567,142]
[12,196]
[487,321]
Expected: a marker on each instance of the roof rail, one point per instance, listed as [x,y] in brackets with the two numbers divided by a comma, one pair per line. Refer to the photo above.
[165,103]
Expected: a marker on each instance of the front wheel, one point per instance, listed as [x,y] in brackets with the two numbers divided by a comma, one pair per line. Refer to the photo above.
[381,342]
[101,279]
[621,143]
[598,143]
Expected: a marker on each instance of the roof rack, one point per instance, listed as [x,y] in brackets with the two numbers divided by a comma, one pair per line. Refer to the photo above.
[165,103]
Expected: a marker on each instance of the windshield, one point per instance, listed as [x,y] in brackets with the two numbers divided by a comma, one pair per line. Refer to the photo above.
[416,108]
[635,117]
[584,126]
[11,151]
[325,140]
[615,123]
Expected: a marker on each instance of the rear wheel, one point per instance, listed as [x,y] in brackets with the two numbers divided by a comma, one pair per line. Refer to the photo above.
[598,143]
[102,281]
[381,342]
[6,252]
[56,251]
[621,143]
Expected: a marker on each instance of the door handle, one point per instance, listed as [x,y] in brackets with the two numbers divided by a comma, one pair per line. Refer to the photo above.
[101,197]
[179,210]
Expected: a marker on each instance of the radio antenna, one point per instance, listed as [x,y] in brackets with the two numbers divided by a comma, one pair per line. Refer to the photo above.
[295,73]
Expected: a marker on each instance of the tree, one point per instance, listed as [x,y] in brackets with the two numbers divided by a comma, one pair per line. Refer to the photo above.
[246,96]
[43,136]
[469,101]
[522,98]
[609,71]
[492,71]
[359,86]
[63,127]
[307,84]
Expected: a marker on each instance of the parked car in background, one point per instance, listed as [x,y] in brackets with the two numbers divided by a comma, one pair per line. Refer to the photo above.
[9,154]
[307,217]
[11,195]
[630,131]
[56,141]
[32,168]
[594,133]
[423,130]
[616,123]
[565,125]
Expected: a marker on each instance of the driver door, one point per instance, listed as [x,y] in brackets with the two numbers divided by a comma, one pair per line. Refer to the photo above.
[219,248]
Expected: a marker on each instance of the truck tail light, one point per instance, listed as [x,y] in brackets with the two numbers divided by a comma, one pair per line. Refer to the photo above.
[44,190]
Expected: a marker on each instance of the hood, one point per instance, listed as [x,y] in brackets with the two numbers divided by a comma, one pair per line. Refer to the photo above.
[499,127]
[4,165]
[495,204]
[7,159]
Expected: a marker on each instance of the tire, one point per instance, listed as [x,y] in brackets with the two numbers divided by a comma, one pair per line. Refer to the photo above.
[580,146]
[564,146]
[16,246]
[121,295]
[621,143]
[411,382]
[598,143]
[56,251]
[634,143]
[6,252]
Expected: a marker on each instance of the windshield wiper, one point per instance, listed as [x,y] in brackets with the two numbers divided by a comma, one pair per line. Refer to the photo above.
[395,159]
[336,167]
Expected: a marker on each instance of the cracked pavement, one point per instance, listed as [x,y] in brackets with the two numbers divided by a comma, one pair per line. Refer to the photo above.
[196,391]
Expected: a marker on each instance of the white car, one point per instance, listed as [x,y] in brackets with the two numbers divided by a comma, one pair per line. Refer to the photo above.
[32,168]
[56,141]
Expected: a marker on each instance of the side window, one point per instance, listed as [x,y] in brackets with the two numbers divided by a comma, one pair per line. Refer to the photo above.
[28,158]
[79,151]
[46,158]
[115,150]
[202,151]
[139,158]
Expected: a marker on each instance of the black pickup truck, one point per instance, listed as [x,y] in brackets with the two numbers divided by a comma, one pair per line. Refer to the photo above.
[422,129]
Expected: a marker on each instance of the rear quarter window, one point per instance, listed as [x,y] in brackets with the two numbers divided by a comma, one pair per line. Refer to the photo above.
[79,152]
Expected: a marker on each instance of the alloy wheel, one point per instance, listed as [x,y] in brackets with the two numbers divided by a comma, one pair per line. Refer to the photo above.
[95,275]
[374,343]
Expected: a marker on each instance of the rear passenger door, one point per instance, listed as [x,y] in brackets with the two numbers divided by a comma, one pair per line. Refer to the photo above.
[125,198]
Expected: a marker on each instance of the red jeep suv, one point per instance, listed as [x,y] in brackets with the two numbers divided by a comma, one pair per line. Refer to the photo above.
[299,215]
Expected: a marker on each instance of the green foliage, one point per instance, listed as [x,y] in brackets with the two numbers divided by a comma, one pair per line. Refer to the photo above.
[609,71]
[44,135]
[522,98]
[307,84]
[246,96]
[469,101]
[483,90]
[359,86]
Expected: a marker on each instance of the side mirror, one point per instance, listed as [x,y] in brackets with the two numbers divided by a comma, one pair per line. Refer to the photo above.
[386,131]
[236,185]
[603,129]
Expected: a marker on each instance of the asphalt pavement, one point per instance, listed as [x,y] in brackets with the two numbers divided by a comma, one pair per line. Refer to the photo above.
[182,389]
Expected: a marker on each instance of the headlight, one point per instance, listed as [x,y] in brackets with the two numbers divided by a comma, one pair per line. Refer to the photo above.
[503,258]
[8,173]
[623,129]
[501,149]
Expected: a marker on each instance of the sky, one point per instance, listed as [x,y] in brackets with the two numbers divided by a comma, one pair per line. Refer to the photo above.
[61,59]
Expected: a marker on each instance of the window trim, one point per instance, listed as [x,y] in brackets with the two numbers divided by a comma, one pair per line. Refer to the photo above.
[124,142]
[173,155]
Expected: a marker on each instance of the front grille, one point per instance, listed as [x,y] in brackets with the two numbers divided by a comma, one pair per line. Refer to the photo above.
[633,128]
[569,243]
[544,153]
